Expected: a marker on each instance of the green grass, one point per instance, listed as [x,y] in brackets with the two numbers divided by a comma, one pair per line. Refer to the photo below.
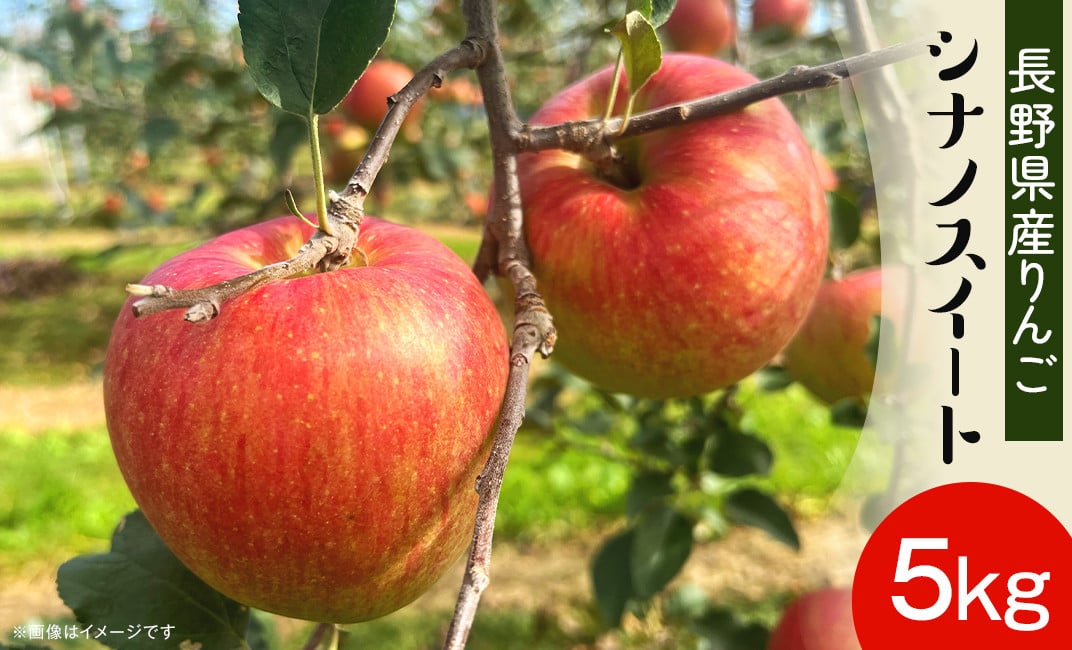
[60,494]
[811,454]
[550,492]
[61,337]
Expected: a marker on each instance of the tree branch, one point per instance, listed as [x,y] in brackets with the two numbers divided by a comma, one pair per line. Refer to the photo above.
[589,136]
[503,249]
[324,251]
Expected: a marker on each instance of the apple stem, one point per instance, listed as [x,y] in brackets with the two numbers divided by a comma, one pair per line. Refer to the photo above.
[318,175]
[615,83]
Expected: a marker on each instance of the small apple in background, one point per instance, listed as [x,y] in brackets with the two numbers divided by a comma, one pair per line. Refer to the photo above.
[366,103]
[817,620]
[39,93]
[312,451]
[828,356]
[113,203]
[155,200]
[63,98]
[694,263]
[701,26]
[788,16]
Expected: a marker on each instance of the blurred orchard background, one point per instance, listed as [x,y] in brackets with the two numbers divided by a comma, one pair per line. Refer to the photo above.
[132,131]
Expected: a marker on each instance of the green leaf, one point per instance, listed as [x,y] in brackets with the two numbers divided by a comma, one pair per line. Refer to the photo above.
[611,578]
[656,11]
[140,582]
[877,325]
[291,133]
[844,221]
[849,412]
[741,454]
[750,507]
[660,11]
[641,49]
[661,545]
[647,487]
[772,378]
[304,55]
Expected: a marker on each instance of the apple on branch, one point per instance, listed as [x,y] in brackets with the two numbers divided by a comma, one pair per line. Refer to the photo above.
[701,26]
[690,264]
[366,103]
[312,451]
[829,355]
[789,17]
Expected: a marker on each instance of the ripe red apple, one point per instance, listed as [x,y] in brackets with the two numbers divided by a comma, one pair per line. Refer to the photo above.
[696,261]
[790,16]
[828,355]
[312,451]
[818,620]
[366,103]
[701,26]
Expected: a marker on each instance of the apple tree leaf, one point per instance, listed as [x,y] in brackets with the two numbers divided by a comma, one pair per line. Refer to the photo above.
[662,543]
[140,582]
[648,487]
[642,52]
[772,378]
[751,507]
[612,581]
[656,11]
[844,221]
[304,55]
[738,453]
[849,412]
[878,326]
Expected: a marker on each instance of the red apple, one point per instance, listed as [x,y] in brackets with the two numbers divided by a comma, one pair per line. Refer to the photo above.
[63,98]
[113,203]
[39,93]
[692,265]
[366,103]
[828,355]
[828,178]
[790,16]
[312,451]
[818,620]
[701,26]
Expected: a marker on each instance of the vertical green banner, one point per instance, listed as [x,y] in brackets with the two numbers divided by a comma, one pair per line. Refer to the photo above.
[1033,223]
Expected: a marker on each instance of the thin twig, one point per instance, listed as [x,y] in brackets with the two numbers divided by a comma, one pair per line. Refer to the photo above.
[323,251]
[583,136]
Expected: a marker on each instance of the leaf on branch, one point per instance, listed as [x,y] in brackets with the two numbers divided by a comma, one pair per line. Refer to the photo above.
[141,582]
[662,543]
[648,487]
[741,454]
[304,55]
[844,221]
[611,577]
[641,50]
[751,507]
[656,11]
